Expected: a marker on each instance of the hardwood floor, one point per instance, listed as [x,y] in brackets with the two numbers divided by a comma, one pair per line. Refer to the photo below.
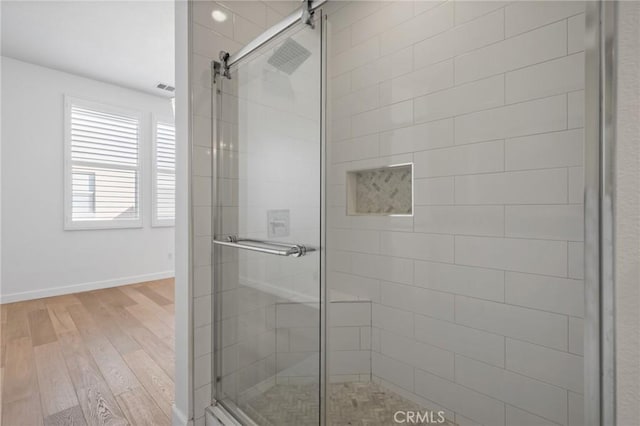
[103,357]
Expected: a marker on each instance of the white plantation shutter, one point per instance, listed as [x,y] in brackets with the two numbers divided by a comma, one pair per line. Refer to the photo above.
[103,167]
[165,173]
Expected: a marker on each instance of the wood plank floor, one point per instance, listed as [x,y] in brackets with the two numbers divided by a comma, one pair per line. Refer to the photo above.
[102,357]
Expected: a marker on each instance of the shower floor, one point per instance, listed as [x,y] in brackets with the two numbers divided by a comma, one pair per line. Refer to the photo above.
[363,404]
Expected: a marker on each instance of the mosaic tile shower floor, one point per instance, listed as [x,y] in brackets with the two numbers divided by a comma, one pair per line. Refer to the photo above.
[351,404]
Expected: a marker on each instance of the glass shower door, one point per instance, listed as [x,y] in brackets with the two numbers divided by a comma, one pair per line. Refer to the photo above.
[267,232]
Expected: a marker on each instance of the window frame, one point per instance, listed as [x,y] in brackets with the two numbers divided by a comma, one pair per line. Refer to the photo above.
[69,223]
[155,221]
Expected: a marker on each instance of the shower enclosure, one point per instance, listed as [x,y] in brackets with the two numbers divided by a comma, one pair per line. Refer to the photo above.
[398,217]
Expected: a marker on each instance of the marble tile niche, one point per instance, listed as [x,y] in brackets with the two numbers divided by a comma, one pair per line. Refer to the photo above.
[382,191]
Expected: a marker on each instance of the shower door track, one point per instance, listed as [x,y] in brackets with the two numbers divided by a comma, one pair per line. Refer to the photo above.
[273,32]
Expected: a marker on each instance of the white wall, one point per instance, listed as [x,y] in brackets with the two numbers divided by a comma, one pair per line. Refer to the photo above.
[477,298]
[627,215]
[40,258]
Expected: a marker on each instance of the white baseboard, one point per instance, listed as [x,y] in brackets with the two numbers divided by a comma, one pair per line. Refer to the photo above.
[76,288]
[179,418]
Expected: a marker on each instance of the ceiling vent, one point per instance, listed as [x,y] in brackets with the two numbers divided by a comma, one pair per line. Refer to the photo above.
[166,87]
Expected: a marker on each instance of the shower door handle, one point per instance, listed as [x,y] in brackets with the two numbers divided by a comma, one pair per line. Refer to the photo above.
[269,247]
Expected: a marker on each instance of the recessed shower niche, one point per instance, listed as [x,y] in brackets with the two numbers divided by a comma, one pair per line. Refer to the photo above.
[383,191]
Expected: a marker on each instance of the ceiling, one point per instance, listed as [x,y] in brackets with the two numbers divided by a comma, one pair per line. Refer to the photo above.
[128,43]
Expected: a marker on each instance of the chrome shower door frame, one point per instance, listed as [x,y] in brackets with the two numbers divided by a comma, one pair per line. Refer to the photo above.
[218,70]
[599,255]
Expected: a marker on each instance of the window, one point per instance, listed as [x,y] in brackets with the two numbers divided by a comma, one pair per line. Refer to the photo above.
[164,178]
[102,172]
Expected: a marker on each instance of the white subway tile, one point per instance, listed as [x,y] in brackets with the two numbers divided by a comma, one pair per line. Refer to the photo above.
[576,185]
[530,325]
[539,398]
[527,187]
[421,82]
[576,109]
[255,11]
[202,221]
[538,116]
[576,409]
[552,222]
[548,365]
[418,300]
[202,340]
[551,78]
[244,30]
[202,251]
[365,338]
[426,357]
[526,49]
[360,288]
[469,10]
[340,86]
[384,68]
[560,295]
[356,149]
[340,128]
[387,118]
[349,314]
[460,160]
[576,260]
[382,267]
[462,340]
[436,247]
[350,362]
[433,191]
[471,404]
[354,240]
[576,33]
[524,16]
[208,43]
[397,321]
[518,417]
[354,12]
[388,17]
[465,220]
[202,371]
[202,15]
[547,150]
[202,281]
[290,315]
[464,280]
[461,39]
[436,134]
[396,372]
[356,57]
[202,311]
[340,41]
[519,255]
[576,336]
[201,191]
[423,26]
[365,123]
[383,223]
[475,96]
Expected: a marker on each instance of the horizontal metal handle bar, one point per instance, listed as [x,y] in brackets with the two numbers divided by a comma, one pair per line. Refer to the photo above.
[287,249]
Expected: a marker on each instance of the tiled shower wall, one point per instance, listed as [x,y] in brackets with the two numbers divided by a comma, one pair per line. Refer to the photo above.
[477,299]
[246,20]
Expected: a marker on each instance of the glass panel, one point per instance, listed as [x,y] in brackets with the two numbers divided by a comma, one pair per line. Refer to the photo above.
[268,189]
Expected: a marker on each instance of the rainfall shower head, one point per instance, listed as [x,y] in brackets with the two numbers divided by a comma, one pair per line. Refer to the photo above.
[289,56]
